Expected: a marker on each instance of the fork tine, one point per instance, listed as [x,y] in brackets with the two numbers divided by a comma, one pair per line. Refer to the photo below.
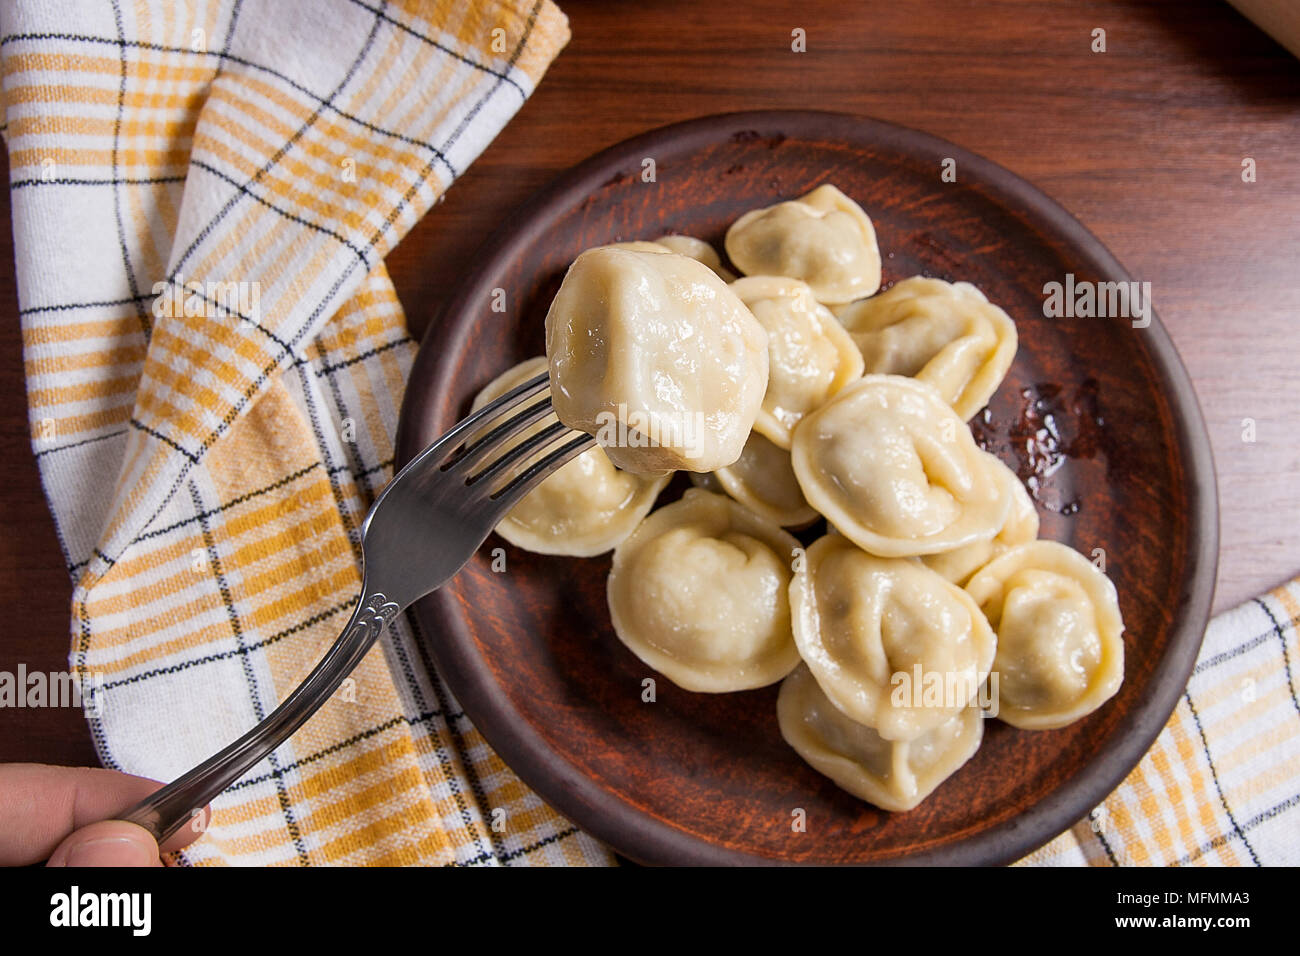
[508,496]
[518,453]
[465,428]
[484,445]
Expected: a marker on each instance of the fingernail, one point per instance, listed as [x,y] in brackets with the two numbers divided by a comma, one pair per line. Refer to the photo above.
[111,851]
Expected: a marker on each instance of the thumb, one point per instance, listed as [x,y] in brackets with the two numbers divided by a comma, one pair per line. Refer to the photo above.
[107,843]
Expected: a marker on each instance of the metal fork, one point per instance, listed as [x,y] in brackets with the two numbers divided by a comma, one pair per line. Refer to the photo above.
[421,531]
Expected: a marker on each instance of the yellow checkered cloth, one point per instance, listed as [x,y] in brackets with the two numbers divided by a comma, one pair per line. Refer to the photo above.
[202,194]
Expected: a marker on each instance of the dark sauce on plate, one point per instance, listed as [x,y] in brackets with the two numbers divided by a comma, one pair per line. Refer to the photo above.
[1050,427]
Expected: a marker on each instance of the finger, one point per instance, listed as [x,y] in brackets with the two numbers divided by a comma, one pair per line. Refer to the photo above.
[107,843]
[40,805]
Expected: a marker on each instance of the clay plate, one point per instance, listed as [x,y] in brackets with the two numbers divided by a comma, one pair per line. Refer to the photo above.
[707,779]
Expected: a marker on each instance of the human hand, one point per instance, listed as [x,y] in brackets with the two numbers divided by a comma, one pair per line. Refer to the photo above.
[64,815]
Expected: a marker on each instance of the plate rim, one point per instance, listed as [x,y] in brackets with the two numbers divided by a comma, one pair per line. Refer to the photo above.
[606,815]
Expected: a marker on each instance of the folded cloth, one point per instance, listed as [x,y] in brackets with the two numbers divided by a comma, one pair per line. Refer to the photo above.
[203,194]
[1221,785]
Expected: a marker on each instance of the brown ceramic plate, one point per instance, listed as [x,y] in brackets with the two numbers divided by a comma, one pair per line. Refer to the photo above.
[696,778]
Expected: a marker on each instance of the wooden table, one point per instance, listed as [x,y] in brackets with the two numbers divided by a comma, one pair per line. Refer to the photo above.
[1144,143]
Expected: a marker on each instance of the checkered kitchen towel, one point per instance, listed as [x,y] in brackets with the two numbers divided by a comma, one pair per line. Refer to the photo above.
[210,451]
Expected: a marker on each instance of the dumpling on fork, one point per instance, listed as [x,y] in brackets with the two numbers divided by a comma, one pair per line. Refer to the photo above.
[653,355]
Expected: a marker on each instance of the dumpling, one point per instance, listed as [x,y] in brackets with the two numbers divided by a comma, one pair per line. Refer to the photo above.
[823,238]
[894,775]
[809,355]
[700,593]
[1060,644]
[699,250]
[945,334]
[893,645]
[763,481]
[586,507]
[1021,526]
[653,355]
[890,464]
[687,246]
[637,245]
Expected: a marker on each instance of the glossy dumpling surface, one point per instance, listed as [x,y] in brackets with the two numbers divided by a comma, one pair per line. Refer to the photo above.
[944,333]
[585,508]
[890,464]
[823,238]
[656,357]
[1020,527]
[893,775]
[1060,634]
[763,480]
[700,593]
[877,633]
[810,356]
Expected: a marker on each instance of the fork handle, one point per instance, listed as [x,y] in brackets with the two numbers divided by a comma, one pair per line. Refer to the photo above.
[166,811]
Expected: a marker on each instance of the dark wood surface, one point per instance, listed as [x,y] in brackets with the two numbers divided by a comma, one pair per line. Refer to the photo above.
[1143,143]
[706,778]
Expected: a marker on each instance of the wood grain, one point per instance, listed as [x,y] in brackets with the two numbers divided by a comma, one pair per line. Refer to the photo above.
[1143,143]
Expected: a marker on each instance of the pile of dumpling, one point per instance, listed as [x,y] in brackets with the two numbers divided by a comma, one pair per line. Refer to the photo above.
[795,393]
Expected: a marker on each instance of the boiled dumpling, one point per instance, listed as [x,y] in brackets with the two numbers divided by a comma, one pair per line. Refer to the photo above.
[878,633]
[687,246]
[699,250]
[890,464]
[945,334]
[637,245]
[894,775]
[1021,526]
[1060,645]
[700,593]
[653,355]
[763,481]
[823,238]
[809,355]
[586,507]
